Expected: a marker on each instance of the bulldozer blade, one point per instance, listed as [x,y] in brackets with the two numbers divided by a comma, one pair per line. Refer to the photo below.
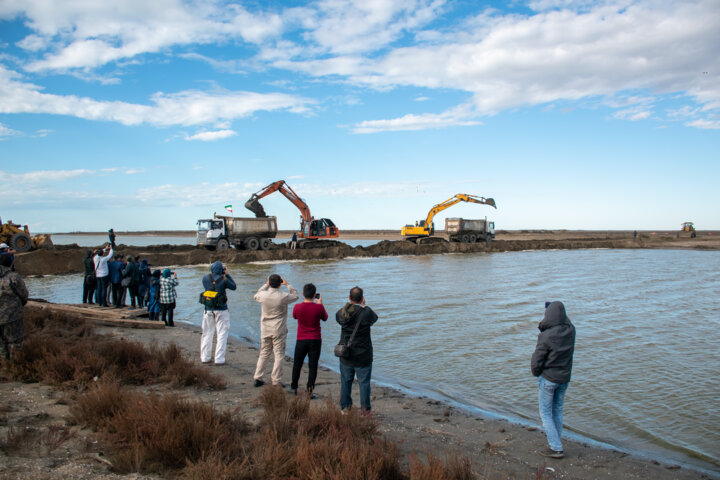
[42,240]
[254,206]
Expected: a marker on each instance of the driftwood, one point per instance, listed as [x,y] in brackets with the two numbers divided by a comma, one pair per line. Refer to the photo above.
[114,317]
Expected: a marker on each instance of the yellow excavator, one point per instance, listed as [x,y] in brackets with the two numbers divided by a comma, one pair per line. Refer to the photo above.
[18,237]
[426,228]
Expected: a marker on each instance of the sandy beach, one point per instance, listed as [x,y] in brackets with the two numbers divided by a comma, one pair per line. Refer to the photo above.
[497,448]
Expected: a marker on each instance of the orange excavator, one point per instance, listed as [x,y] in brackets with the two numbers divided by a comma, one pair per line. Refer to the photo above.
[311,228]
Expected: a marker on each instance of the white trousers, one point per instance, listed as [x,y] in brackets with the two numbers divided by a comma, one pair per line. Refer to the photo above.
[272,344]
[217,320]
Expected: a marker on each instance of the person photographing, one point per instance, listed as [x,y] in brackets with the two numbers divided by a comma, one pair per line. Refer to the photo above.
[308,314]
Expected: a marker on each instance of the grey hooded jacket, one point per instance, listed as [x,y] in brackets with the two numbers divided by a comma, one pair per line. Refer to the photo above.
[555,345]
[13,295]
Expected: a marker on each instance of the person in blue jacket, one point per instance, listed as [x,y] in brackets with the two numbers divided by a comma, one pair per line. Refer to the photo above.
[153,305]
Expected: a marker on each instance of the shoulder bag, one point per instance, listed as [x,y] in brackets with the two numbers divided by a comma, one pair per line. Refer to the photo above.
[342,350]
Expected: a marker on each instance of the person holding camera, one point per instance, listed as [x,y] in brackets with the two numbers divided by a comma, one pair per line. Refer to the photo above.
[309,338]
[273,326]
[168,295]
[102,274]
[552,364]
[216,318]
[356,318]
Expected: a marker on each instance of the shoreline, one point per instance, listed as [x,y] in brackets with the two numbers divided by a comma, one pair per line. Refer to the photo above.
[419,420]
[66,259]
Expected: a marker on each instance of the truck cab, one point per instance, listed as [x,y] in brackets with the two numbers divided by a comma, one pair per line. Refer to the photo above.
[210,231]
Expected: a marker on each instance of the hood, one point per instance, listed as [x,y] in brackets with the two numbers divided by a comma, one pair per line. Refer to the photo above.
[350,310]
[156,274]
[554,315]
[216,269]
[144,263]
[88,254]
[166,273]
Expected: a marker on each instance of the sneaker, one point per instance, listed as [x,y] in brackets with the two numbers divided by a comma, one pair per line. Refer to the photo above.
[550,453]
[217,364]
[258,383]
[207,363]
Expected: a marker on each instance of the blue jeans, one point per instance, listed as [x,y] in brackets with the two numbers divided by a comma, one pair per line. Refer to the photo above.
[552,398]
[347,374]
[101,291]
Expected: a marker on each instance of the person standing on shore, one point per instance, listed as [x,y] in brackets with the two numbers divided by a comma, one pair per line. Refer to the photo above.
[144,285]
[131,277]
[89,279]
[552,363]
[153,306]
[116,267]
[102,273]
[273,326]
[293,241]
[309,338]
[111,237]
[168,295]
[216,318]
[13,297]
[359,361]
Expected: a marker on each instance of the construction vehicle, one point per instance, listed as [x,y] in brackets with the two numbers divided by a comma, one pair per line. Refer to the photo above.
[18,237]
[469,231]
[311,228]
[222,232]
[426,228]
[689,227]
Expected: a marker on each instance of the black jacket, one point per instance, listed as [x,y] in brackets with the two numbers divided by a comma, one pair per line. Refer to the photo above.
[361,349]
[88,264]
[555,345]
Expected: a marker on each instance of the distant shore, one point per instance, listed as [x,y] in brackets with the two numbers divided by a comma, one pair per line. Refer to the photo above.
[66,259]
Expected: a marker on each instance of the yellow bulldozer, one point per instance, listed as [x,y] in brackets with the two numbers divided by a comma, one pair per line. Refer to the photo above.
[689,227]
[18,237]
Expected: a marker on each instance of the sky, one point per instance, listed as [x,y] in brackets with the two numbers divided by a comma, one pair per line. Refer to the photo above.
[571,114]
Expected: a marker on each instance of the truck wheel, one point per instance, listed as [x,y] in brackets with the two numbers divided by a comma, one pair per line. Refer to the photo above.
[465,238]
[222,244]
[20,242]
[265,243]
[472,238]
[252,243]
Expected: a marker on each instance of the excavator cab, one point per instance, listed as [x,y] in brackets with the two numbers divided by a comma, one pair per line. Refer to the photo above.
[319,228]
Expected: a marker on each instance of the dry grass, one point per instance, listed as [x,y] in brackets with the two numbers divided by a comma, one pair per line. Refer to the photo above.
[179,438]
[66,352]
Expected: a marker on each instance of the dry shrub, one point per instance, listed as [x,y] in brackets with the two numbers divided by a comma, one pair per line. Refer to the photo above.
[453,467]
[155,433]
[65,352]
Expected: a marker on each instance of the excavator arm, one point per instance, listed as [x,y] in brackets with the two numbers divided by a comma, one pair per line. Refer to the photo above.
[310,227]
[425,227]
[253,204]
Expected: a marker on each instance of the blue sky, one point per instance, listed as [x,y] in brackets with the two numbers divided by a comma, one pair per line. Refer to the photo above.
[571,114]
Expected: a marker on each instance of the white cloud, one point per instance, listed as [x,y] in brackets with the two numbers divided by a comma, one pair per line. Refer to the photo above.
[210,136]
[6,132]
[198,194]
[134,171]
[42,176]
[190,107]
[453,118]
[705,124]
[86,34]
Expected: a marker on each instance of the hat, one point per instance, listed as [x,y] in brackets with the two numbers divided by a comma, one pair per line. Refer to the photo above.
[4,245]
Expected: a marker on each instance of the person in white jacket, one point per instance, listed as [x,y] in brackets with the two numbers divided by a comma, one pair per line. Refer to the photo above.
[102,272]
[273,326]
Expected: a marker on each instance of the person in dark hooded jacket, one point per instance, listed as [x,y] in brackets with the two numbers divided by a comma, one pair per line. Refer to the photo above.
[552,363]
[359,362]
[13,297]
[89,280]
[216,318]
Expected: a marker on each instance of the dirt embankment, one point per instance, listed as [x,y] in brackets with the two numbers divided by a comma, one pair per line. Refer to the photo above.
[64,259]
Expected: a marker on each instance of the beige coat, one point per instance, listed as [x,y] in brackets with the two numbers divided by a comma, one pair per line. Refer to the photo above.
[274,302]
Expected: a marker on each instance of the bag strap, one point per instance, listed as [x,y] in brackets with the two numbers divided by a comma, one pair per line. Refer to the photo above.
[352,337]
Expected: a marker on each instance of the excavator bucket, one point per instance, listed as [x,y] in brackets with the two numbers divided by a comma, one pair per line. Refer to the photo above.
[491,202]
[254,206]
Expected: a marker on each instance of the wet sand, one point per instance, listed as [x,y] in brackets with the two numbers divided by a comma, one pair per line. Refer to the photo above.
[64,259]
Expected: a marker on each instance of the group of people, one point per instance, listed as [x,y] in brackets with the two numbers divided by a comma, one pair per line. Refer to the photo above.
[109,278]
[355,318]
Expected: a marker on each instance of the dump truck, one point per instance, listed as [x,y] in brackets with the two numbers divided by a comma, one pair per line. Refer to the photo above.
[469,231]
[221,232]
[18,237]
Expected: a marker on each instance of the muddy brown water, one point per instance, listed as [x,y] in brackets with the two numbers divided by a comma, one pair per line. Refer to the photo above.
[461,328]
